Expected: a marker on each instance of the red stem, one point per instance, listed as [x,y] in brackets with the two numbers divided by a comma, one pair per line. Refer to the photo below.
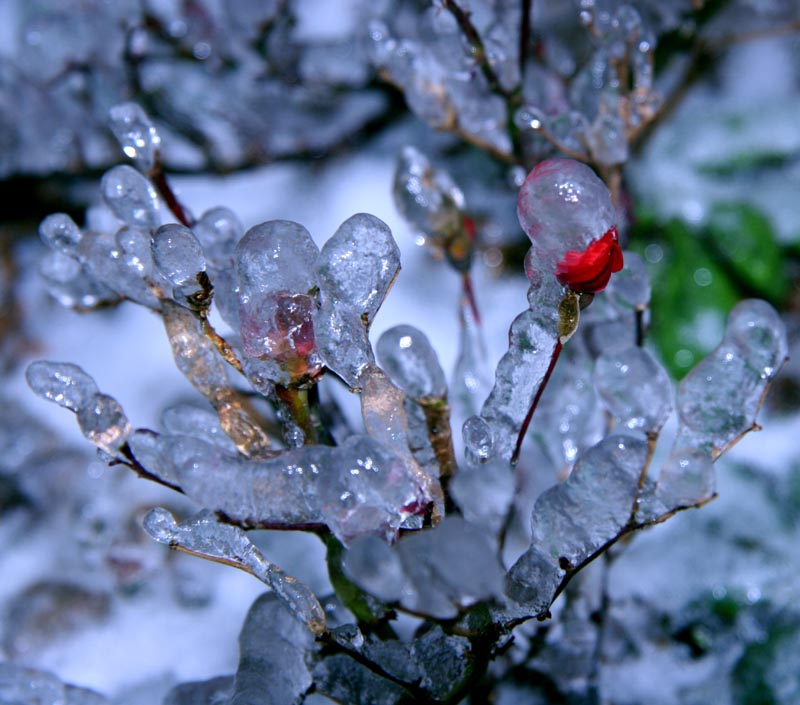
[159,179]
[535,403]
[469,292]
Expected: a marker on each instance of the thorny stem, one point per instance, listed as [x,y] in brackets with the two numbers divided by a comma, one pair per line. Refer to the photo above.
[523,430]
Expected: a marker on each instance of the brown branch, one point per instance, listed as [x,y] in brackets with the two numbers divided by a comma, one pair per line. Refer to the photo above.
[469,31]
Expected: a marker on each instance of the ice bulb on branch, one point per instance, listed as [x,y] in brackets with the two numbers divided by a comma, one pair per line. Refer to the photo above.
[566,211]
[135,133]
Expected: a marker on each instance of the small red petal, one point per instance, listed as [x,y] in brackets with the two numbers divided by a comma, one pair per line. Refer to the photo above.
[589,271]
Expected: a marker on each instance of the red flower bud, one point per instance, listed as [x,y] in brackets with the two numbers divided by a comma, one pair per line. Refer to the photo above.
[588,272]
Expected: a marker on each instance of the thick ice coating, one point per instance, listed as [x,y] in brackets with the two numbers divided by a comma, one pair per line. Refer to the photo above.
[275,267]
[357,488]
[405,353]
[135,133]
[356,269]
[719,399]
[131,197]
[204,535]
[178,255]
[635,388]
[61,382]
[573,520]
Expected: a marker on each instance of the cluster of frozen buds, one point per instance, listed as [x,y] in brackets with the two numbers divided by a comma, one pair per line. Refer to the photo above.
[297,310]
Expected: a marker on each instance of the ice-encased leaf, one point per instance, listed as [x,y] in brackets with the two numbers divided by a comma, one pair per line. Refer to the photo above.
[189,420]
[205,536]
[272,656]
[218,231]
[630,287]
[59,232]
[358,264]
[357,488]
[435,572]
[345,680]
[428,198]
[533,580]
[131,197]
[195,355]
[445,660]
[569,416]
[375,567]
[635,388]
[532,343]
[72,284]
[278,255]
[356,268]
[135,133]
[178,255]
[107,262]
[450,567]
[103,422]
[215,691]
[385,420]
[20,685]
[61,382]
[573,520]
[720,397]
[343,341]
[563,206]
[483,492]
[686,478]
[405,353]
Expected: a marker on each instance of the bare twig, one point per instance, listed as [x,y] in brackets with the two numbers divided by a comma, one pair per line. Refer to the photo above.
[469,31]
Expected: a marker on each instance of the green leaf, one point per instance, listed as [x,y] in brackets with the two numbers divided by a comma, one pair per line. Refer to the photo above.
[692,293]
[745,242]
[768,673]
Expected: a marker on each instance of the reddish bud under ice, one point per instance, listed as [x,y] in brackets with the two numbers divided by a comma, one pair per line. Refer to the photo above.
[588,272]
[566,211]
